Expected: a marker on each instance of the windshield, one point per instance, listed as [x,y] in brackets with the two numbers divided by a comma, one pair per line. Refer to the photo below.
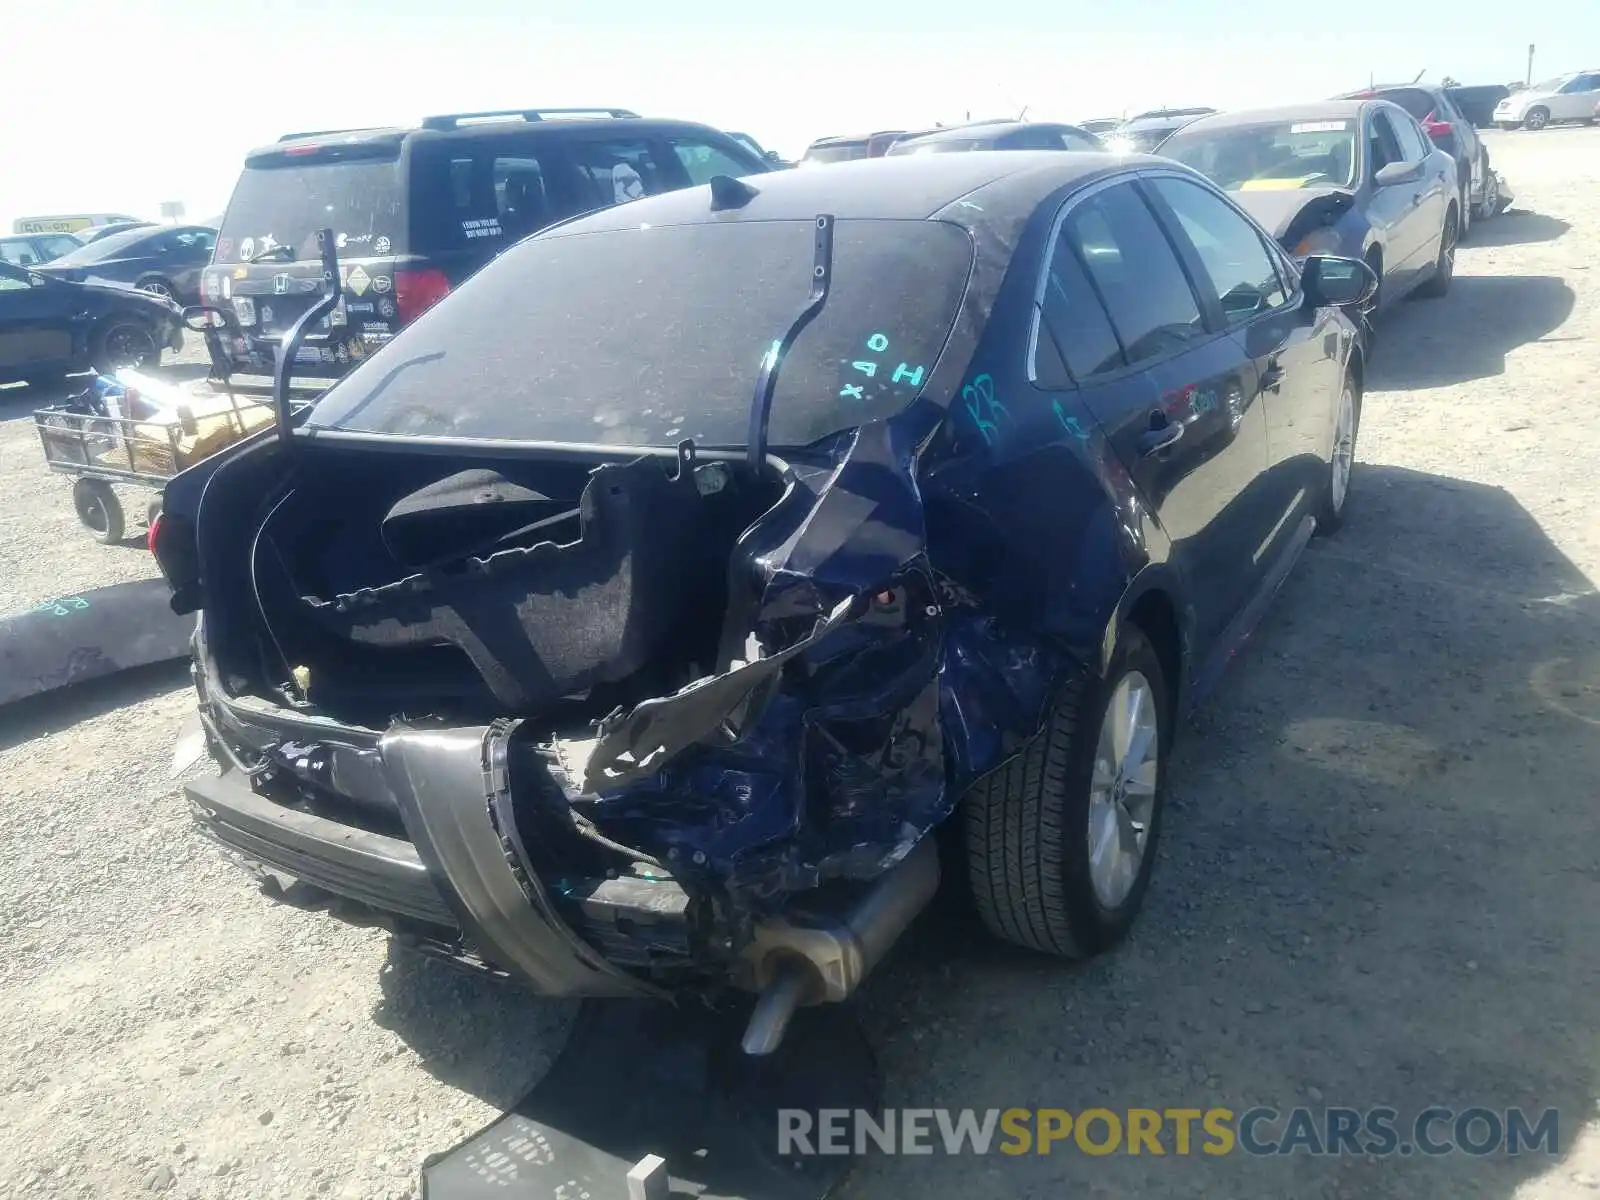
[113,245]
[1552,85]
[1270,157]
[284,201]
[647,336]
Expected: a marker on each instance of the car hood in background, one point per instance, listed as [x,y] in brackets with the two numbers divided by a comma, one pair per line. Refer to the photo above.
[1276,208]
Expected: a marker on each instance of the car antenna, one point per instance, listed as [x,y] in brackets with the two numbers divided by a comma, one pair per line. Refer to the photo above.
[283,369]
[728,192]
[766,384]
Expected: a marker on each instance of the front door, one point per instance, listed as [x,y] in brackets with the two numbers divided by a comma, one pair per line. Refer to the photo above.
[1293,376]
[35,325]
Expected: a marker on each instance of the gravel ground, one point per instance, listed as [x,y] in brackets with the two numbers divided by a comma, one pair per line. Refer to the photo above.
[1378,880]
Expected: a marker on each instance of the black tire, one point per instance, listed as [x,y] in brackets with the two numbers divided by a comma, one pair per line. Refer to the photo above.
[1444,268]
[99,510]
[1334,502]
[1027,823]
[1536,118]
[122,341]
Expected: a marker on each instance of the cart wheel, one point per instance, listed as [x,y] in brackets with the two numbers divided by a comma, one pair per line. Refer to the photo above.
[99,510]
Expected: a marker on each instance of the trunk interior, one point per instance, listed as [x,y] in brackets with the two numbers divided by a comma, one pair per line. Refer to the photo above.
[385,583]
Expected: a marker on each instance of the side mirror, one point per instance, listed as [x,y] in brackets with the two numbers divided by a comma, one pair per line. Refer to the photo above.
[1397,172]
[1331,282]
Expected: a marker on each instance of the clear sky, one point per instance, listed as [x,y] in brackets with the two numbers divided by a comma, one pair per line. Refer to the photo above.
[129,104]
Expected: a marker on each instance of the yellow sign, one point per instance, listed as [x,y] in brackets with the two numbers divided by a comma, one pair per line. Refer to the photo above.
[359,280]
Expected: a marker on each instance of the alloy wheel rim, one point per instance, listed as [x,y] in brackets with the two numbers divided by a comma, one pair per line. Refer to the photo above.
[158,289]
[1122,789]
[128,346]
[1344,449]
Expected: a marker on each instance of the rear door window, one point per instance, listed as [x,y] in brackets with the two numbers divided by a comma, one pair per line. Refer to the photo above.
[614,171]
[1415,101]
[1134,268]
[701,160]
[1073,319]
[484,196]
[283,200]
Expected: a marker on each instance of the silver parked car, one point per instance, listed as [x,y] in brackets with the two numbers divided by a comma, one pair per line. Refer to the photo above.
[1574,97]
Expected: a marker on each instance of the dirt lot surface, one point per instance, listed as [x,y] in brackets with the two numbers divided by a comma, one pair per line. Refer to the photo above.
[1379,877]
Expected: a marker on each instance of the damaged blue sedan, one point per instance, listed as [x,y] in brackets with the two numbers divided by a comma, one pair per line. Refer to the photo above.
[628,625]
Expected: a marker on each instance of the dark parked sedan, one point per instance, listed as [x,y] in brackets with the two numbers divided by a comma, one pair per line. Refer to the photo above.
[997,135]
[51,327]
[1348,177]
[726,543]
[163,259]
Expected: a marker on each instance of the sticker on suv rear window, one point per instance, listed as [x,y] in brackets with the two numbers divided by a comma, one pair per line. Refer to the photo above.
[484,228]
[1320,127]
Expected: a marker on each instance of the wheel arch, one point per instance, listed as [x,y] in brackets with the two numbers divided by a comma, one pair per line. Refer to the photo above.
[1154,604]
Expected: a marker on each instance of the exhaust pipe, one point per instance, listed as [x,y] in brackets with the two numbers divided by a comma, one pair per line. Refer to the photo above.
[823,959]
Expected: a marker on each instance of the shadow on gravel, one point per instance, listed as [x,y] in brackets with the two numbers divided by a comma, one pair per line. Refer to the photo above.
[1516,227]
[483,1036]
[40,716]
[1376,888]
[1467,334]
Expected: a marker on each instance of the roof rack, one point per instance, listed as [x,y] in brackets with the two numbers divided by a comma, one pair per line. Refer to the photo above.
[456,120]
[289,137]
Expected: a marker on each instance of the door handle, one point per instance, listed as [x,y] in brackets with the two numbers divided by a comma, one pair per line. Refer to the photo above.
[1272,377]
[1163,432]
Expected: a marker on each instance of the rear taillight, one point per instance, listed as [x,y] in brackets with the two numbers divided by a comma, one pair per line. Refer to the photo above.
[415,292]
[150,538]
[1435,128]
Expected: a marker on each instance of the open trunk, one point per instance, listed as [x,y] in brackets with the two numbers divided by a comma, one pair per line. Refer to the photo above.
[389,585]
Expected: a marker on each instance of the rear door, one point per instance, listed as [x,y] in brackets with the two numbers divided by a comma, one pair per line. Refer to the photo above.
[1177,401]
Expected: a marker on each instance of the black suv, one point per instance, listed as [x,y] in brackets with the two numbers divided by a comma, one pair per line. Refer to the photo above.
[416,211]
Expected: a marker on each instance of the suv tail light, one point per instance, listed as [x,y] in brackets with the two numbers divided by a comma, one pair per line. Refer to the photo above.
[150,538]
[415,292]
[1435,128]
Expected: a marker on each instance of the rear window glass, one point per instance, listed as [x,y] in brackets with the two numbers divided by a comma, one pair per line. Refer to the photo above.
[1414,100]
[650,335]
[285,201]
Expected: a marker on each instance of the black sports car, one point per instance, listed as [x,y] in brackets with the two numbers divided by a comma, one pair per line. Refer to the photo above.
[52,327]
[630,621]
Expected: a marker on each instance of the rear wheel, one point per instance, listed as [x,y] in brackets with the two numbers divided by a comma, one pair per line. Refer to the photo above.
[1061,840]
[99,510]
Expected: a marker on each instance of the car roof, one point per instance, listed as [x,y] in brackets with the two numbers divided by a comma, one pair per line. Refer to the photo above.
[914,187]
[1322,110]
[484,125]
